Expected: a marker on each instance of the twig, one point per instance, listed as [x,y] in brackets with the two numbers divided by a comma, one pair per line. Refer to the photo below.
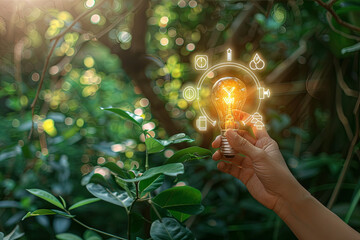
[40,85]
[348,157]
[56,38]
[97,230]
[346,35]
[328,7]
[76,20]
[341,114]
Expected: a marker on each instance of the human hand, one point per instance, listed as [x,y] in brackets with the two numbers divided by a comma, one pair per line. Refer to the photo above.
[262,170]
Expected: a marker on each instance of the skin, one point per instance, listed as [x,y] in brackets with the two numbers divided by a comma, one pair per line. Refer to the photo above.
[268,179]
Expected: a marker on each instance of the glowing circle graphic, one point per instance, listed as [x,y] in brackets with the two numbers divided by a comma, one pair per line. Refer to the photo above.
[226,65]
[189,93]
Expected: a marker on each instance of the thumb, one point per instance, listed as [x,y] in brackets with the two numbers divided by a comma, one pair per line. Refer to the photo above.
[241,145]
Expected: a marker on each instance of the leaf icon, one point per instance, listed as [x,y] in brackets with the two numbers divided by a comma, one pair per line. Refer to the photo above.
[257,58]
[257,63]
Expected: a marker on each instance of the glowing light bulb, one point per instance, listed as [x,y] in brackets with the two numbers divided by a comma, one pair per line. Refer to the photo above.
[228,96]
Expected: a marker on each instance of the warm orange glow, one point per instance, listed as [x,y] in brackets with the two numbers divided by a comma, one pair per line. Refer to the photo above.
[228,96]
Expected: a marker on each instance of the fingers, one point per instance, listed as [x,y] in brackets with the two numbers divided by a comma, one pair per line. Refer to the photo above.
[217,142]
[229,168]
[260,133]
[217,155]
[241,145]
[247,136]
[236,159]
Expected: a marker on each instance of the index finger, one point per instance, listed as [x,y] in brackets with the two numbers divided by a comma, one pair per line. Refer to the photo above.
[217,142]
[242,116]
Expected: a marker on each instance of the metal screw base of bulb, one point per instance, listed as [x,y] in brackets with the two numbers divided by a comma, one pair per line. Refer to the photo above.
[226,150]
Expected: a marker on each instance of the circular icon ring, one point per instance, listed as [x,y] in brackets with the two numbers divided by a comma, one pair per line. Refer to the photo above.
[189,93]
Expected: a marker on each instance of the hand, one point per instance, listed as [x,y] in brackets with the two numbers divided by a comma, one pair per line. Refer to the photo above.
[263,169]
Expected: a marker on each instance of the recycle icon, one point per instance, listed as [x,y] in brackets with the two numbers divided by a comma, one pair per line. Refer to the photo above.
[256,63]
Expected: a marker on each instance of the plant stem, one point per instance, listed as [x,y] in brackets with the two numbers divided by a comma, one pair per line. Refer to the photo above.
[130,209]
[97,230]
[146,154]
[146,160]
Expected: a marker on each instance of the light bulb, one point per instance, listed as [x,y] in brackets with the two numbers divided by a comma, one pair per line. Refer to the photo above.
[228,96]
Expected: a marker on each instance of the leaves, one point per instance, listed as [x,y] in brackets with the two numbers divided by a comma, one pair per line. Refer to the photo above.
[84,202]
[177,138]
[67,236]
[169,228]
[150,184]
[353,205]
[129,187]
[41,212]
[15,234]
[121,199]
[126,115]
[181,217]
[116,169]
[46,196]
[172,169]
[188,154]
[183,199]
[153,145]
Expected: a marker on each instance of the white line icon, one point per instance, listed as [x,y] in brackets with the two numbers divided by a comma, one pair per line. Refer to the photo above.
[263,93]
[229,54]
[189,93]
[257,63]
[201,62]
[201,123]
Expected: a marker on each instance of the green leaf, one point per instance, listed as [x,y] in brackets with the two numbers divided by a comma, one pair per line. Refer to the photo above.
[121,199]
[126,115]
[137,222]
[129,187]
[116,169]
[183,199]
[150,184]
[63,201]
[62,213]
[93,177]
[172,169]
[67,236]
[84,202]
[91,235]
[187,154]
[353,205]
[15,234]
[177,138]
[169,228]
[179,215]
[38,213]
[46,196]
[153,145]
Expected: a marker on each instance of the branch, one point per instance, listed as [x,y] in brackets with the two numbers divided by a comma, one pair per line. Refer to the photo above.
[348,157]
[40,85]
[328,7]
[76,20]
[346,35]
[56,38]
[97,230]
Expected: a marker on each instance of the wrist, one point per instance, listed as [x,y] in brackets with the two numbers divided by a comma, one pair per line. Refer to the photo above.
[295,198]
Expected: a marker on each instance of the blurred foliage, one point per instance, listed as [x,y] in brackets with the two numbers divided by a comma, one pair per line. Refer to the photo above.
[140,60]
